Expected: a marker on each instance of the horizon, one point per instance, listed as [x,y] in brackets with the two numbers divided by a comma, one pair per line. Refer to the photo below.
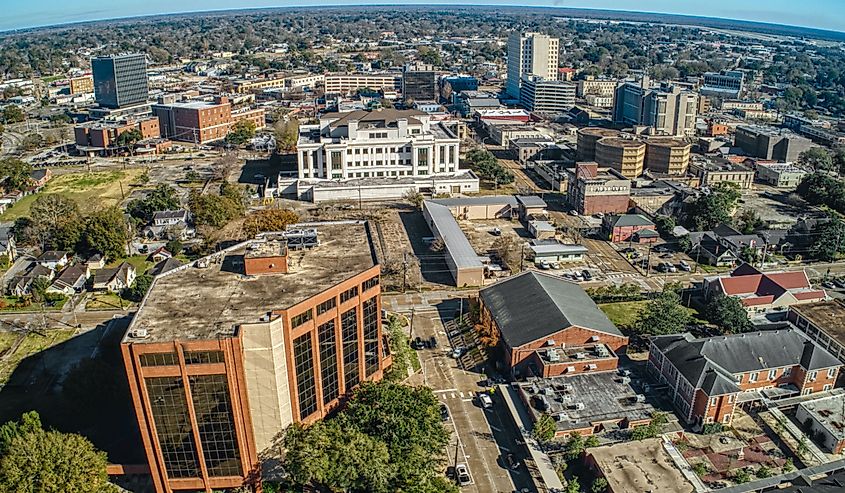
[71,18]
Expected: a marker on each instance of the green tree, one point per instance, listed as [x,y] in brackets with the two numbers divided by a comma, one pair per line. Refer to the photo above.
[748,221]
[599,485]
[544,429]
[817,158]
[574,447]
[728,313]
[217,210]
[106,232]
[269,220]
[485,164]
[663,315]
[137,291]
[162,198]
[13,114]
[700,469]
[174,247]
[241,132]
[400,348]
[741,476]
[17,173]
[287,134]
[35,460]
[573,486]
[129,138]
[829,240]
[665,225]
[713,208]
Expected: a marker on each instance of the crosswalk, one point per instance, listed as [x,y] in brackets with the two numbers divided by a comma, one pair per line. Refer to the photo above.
[453,394]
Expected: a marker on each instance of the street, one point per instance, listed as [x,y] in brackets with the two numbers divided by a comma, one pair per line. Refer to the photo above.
[481,437]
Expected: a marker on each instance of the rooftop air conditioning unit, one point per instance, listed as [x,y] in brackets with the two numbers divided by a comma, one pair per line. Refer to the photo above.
[553,355]
[550,342]
[591,366]
[580,355]
[640,398]
[567,387]
[595,338]
[139,333]
[626,380]
[625,373]
[578,406]
[569,369]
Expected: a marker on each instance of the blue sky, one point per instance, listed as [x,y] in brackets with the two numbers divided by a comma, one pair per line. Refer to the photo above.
[824,14]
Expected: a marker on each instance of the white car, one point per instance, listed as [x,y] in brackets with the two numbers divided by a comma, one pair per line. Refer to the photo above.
[462,473]
[485,400]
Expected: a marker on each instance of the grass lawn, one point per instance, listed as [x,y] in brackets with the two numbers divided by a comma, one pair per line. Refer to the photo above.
[138,261]
[624,313]
[89,190]
[10,302]
[106,301]
[32,343]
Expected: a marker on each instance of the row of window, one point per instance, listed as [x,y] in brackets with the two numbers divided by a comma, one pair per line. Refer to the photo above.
[191,358]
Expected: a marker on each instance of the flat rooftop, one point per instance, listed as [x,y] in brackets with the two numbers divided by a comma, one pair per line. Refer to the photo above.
[606,397]
[829,412]
[638,466]
[198,302]
[827,315]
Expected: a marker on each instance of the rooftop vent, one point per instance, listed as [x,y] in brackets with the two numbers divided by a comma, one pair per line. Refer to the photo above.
[139,333]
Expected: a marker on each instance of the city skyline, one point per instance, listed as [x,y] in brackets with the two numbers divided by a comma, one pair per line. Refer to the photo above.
[818,14]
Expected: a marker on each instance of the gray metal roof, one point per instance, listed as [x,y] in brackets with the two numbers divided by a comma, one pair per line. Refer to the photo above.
[531,201]
[710,363]
[630,220]
[481,200]
[559,248]
[532,305]
[454,239]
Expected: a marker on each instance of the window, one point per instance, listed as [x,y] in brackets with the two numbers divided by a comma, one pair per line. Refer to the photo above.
[422,156]
[726,418]
[158,359]
[326,306]
[772,374]
[349,336]
[371,331]
[827,387]
[305,384]
[813,376]
[337,159]
[369,284]
[714,401]
[300,319]
[831,372]
[328,361]
[215,424]
[349,294]
[203,357]
[787,371]
[173,426]
[752,377]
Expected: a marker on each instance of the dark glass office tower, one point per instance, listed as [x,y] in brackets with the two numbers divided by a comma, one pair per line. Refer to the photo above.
[120,80]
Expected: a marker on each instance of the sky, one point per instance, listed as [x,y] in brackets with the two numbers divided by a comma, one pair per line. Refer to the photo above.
[823,14]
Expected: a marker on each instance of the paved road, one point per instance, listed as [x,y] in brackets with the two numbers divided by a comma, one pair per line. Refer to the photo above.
[480,437]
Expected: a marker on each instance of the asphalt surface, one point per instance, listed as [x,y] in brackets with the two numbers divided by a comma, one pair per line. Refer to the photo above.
[481,438]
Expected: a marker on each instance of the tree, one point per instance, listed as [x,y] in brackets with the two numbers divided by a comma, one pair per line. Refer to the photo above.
[728,313]
[574,447]
[129,138]
[106,232]
[665,225]
[414,197]
[400,348]
[663,315]
[829,240]
[269,220]
[49,461]
[17,173]
[137,291]
[485,164]
[287,134]
[748,221]
[58,221]
[817,158]
[573,486]
[713,208]
[241,132]
[509,252]
[174,246]
[544,429]
[13,114]
[162,198]
[599,485]
[217,210]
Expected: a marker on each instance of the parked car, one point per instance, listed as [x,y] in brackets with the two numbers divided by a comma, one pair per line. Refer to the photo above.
[485,400]
[840,283]
[496,232]
[671,267]
[544,265]
[554,265]
[587,275]
[444,412]
[684,266]
[573,212]
[512,461]
[418,343]
[462,474]
[432,343]
[828,284]
[458,352]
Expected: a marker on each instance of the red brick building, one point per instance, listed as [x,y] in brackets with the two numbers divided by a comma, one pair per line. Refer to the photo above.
[203,121]
[709,377]
[629,227]
[549,327]
[226,352]
[591,190]
[103,135]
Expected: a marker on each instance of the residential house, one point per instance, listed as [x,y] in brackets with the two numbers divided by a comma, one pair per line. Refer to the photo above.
[629,227]
[22,285]
[166,265]
[71,280]
[709,377]
[95,262]
[54,259]
[764,292]
[169,225]
[114,279]
[7,242]
[40,177]
[159,254]
[548,326]
[724,245]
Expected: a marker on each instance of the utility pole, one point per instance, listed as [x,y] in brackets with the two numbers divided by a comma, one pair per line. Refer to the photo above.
[648,261]
[411,323]
[457,449]
[404,271]
[521,263]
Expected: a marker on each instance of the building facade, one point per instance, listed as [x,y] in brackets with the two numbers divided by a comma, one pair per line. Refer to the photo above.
[344,84]
[530,54]
[593,191]
[213,387]
[728,84]
[81,85]
[669,110]
[667,156]
[202,121]
[419,83]
[375,144]
[770,143]
[546,96]
[120,80]
[626,156]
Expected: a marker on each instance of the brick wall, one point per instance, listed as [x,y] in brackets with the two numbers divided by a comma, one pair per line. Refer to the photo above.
[572,336]
[607,204]
[265,265]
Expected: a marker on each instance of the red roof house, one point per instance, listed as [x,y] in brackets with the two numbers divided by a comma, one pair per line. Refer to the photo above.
[763,292]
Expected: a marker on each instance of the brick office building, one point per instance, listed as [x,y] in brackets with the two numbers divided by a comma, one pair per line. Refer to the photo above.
[226,352]
[709,377]
[593,190]
[103,135]
[550,327]
[202,121]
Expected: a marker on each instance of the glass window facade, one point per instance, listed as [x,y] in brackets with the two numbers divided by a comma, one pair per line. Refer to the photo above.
[349,294]
[173,427]
[304,368]
[215,425]
[371,330]
[158,359]
[203,357]
[349,334]
[300,319]
[328,361]
[370,283]
[326,306]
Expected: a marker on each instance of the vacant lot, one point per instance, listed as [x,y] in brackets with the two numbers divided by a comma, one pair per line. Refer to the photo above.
[89,190]
[625,313]
[14,347]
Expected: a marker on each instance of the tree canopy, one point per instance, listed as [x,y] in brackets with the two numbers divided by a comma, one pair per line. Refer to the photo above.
[106,232]
[162,198]
[17,173]
[241,132]
[713,208]
[728,313]
[269,220]
[663,315]
[485,164]
[817,158]
[829,240]
[217,210]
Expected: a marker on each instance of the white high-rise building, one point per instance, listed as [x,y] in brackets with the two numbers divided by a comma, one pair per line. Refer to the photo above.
[530,54]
